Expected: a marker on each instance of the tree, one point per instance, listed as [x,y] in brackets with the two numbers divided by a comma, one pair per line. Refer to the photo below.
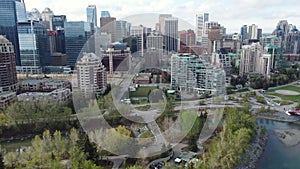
[89,147]
[1,159]
[4,121]
[135,167]
[117,139]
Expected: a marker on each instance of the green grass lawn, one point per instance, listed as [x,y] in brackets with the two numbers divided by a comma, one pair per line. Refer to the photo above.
[286,97]
[142,91]
[295,88]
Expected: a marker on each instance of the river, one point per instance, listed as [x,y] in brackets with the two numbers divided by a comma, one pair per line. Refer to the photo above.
[277,155]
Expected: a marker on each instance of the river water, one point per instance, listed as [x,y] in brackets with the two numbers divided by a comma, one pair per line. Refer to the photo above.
[277,155]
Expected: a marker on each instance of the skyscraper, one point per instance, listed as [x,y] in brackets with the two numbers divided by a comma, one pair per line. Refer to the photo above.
[8,25]
[171,34]
[108,24]
[21,11]
[244,32]
[105,14]
[200,25]
[162,18]
[58,22]
[252,33]
[91,13]
[254,59]
[35,15]
[75,37]
[47,15]
[8,75]
[91,75]
[122,30]
[34,47]
[138,31]
[281,32]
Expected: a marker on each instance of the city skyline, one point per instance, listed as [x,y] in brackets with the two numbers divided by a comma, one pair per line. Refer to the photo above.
[231,14]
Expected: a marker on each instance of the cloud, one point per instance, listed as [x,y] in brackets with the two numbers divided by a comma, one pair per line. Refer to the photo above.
[232,14]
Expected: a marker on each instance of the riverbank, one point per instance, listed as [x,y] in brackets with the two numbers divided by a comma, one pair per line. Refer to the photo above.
[277,116]
[255,150]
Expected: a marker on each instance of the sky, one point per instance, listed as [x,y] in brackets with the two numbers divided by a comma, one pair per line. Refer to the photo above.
[229,13]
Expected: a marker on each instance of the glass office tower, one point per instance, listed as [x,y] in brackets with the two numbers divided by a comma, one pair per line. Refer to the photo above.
[34,47]
[8,25]
[75,37]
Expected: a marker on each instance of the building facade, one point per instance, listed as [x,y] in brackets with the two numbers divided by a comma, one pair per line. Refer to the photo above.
[91,14]
[91,75]
[34,47]
[200,23]
[47,16]
[171,34]
[138,32]
[8,25]
[116,58]
[108,25]
[162,18]
[58,22]
[75,38]
[155,41]
[254,59]
[21,11]
[244,32]
[8,75]
[191,73]
[122,30]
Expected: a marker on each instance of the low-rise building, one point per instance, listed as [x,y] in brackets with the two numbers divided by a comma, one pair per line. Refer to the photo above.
[142,78]
[43,85]
[7,98]
[61,94]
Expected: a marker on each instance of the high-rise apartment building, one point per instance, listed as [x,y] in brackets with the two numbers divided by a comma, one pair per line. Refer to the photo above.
[281,32]
[8,75]
[91,13]
[171,34]
[191,73]
[293,41]
[253,59]
[91,75]
[8,25]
